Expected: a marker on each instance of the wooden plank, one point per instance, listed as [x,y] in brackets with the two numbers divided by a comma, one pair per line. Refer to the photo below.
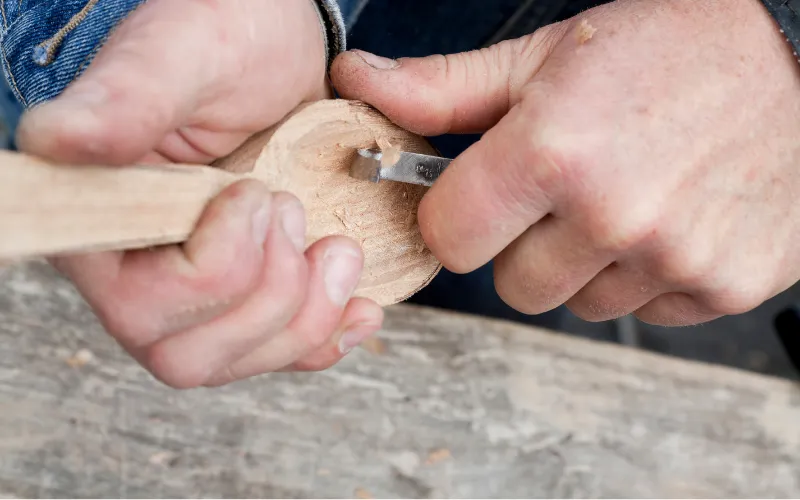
[446,406]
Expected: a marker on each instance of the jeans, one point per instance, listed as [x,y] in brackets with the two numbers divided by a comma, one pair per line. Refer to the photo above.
[46,44]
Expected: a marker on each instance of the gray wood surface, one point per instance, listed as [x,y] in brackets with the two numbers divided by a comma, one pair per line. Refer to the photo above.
[446,406]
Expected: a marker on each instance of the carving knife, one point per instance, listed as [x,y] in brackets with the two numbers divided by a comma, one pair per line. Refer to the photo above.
[393,165]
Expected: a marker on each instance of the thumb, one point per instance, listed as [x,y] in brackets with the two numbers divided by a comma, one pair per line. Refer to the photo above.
[139,87]
[467,92]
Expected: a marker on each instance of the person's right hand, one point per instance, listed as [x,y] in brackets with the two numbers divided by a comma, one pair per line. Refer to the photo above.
[188,81]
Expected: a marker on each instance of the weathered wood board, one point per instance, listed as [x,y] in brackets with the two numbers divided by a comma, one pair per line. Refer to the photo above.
[450,406]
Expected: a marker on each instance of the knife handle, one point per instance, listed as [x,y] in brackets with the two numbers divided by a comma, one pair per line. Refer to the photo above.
[48,209]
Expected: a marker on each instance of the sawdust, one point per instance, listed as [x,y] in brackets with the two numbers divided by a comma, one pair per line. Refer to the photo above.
[411,220]
[343,214]
[80,358]
[164,458]
[585,32]
[374,345]
[437,456]
[362,493]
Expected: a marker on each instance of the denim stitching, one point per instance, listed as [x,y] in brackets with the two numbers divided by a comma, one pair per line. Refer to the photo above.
[91,55]
[3,11]
[11,78]
[43,54]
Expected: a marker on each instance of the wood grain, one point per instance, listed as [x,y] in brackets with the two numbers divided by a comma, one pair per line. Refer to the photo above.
[48,209]
[309,155]
[447,406]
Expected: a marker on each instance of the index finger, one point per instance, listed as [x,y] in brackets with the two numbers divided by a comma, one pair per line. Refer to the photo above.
[489,196]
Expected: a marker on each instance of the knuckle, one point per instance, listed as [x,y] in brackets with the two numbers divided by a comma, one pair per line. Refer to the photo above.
[553,165]
[315,338]
[615,230]
[529,181]
[316,365]
[514,294]
[124,323]
[686,267]
[171,369]
[523,289]
[290,279]
[227,277]
[734,298]
[596,309]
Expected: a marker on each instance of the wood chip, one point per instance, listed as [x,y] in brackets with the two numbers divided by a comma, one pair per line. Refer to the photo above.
[164,458]
[362,493]
[344,217]
[80,358]
[585,32]
[374,345]
[437,456]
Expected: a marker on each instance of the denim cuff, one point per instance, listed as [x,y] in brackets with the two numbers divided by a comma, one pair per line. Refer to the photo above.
[46,44]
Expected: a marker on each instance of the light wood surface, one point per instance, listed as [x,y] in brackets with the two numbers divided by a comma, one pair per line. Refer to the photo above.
[442,406]
[47,209]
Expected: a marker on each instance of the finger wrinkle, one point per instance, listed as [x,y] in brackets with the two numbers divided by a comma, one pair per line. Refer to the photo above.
[196,314]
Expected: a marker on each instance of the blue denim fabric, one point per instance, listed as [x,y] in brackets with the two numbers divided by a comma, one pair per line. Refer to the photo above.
[392,28]
[29,30]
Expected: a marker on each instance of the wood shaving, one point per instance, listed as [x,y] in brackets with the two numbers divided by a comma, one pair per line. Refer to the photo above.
[80,358]
[585,32]
[344,216]
[362,493]
[411,220]
[437,456]
[374,345]
[391,153]
[164,458]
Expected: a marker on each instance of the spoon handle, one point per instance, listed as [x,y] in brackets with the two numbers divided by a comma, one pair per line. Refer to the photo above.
[48,209]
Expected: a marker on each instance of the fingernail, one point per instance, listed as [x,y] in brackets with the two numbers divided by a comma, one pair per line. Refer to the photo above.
[354,337]
[377,62]
[261,223]
[342,268]
[294,224]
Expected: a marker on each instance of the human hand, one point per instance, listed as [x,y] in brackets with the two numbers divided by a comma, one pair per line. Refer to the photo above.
[640,158]
[186,81]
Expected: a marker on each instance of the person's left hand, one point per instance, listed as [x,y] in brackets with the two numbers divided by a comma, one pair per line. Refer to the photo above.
[643,157]
[186,81]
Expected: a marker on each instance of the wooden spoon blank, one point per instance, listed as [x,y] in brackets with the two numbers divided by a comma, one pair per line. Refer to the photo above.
[48,209]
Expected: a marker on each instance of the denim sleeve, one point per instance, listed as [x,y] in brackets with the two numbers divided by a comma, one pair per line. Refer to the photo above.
[46,44]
